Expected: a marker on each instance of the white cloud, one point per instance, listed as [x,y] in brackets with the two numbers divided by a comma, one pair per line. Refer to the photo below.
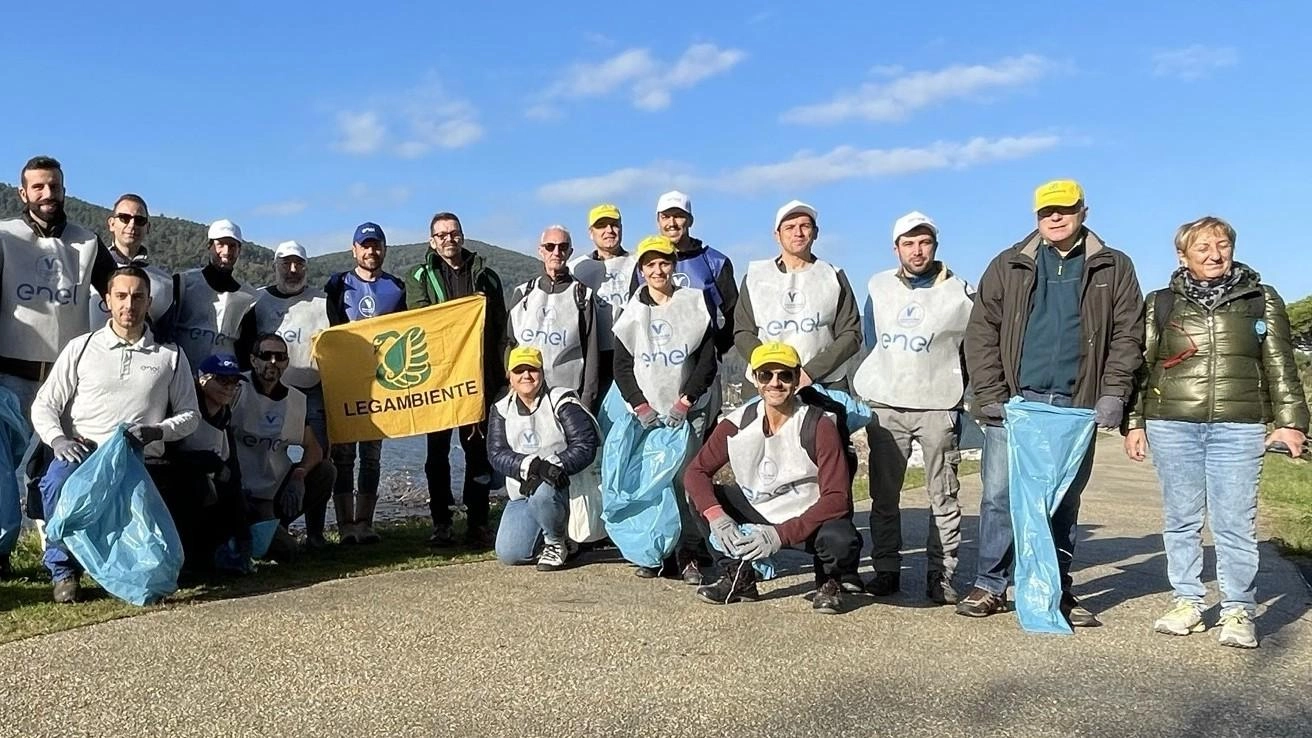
[648,81]
[1193,62]
[898,97]
[284,208]
[805,169]
[417,121]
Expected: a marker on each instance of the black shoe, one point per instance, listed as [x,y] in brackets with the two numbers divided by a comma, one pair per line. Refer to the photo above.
[6,568]
[737,583]
[480,538]
[980,603]
[67,590]
[441,536]
[691,574]
[884,584]
[1076,614]
[316,542]
[938,589]
[647,572]
[828,599]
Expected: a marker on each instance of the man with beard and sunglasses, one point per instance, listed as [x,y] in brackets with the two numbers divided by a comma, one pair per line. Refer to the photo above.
[557,315]
[129,224]
[212,309]
[449,272]
[359,294]
[49,268]
[791,488]
[297,313]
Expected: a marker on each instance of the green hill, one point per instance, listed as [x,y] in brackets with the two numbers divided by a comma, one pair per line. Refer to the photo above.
[178,244]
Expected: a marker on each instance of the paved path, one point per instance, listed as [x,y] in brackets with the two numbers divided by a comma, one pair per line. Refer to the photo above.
[481,650]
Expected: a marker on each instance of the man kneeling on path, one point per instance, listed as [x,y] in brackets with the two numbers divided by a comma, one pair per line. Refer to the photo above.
[538,436]
[116,374]
[792,486]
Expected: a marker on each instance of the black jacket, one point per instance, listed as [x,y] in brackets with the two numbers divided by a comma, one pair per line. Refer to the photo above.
[581,437]
[425,286]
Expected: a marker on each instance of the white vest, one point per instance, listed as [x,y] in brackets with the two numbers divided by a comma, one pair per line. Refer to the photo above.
[609,279]
[206,437]
[550,323]
[797,308]
[776,474]
[298,319]
[161,296]
[46,284]
[540,433]
[207,322]
[661,339]
[916,362]
[263,429]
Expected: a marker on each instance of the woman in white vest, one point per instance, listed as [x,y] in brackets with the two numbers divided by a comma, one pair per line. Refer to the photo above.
[538,437]
[800,300]
[916,318]
[791,486]
[212,308]
[665,361]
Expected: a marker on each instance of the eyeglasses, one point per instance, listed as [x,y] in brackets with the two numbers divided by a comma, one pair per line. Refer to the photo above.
[786,376]
[126,218]
[449,236]
[554,247]
[271,355]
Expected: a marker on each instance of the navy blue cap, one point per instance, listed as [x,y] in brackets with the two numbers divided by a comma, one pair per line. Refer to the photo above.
[222,365]
[369,232]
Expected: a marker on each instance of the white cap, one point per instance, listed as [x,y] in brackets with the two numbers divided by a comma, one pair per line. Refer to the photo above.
[793,207]
[674,199]
[913,219]
[224,229]
[289,248]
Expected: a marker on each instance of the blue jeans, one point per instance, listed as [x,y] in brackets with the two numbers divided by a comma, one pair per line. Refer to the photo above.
[1212,468]
[527,520]
[996,545]
[57,559]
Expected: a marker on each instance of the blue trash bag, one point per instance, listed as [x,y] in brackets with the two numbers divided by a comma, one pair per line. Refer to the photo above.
[1045,447]
[261,537]
[114,522]
[14,435]
[637,488]
[765,568]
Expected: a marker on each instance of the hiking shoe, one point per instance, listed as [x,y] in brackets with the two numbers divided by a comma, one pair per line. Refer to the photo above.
[737,583]
[67,590]
[1237,629]
[441,536]
[1076,614]
[939,591]
[647,572]
[828,598]
[480,538]
[366,534]
[572,550]
[552,557]
[1184,617]
[980,603]
[348,533]
[315,542]
[691,574]
[884,584]
[850,582]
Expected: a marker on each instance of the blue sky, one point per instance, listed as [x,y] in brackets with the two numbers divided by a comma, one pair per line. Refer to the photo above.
[299,120]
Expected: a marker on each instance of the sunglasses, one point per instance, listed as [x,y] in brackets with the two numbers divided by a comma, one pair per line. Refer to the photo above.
[524,369]
[125,218]
[225,380]
[553,247]
[787,376]
[271,355]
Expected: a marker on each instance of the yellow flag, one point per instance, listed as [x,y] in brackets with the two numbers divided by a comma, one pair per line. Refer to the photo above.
[404,374]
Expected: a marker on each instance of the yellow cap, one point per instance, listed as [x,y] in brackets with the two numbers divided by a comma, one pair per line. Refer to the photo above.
[655,245]
[1059,193]
[604,210]
[774,353]
[524,356]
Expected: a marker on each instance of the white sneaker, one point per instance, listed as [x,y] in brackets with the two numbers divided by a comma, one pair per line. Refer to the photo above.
[1237,629]
[552,557]
[1184,617]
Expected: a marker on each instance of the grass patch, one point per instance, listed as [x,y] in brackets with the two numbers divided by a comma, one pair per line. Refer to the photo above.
[1285,504]
[915,478]
[26,608]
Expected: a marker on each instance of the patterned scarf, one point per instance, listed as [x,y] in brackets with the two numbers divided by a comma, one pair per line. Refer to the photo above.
[1207,292]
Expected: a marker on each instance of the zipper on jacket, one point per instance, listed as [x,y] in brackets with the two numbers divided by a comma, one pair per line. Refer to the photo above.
[1211,369]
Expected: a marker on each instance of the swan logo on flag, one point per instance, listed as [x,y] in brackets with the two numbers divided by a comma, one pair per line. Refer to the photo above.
[402,358]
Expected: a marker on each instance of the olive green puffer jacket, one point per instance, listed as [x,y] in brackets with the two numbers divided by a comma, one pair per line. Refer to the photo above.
[1242,372]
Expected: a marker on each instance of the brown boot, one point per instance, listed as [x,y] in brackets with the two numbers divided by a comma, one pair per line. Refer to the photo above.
[364,518]
[343,505]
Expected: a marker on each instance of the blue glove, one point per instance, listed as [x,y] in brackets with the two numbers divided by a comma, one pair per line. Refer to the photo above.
[763,542]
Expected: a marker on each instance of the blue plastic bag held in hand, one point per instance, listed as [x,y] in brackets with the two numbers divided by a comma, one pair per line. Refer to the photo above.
[1045,447]
[113,521]
[14,434]
[637,485]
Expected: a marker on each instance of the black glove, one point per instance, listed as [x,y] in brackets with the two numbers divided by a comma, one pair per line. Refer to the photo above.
[547,471]
[993,413]
[142,435]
